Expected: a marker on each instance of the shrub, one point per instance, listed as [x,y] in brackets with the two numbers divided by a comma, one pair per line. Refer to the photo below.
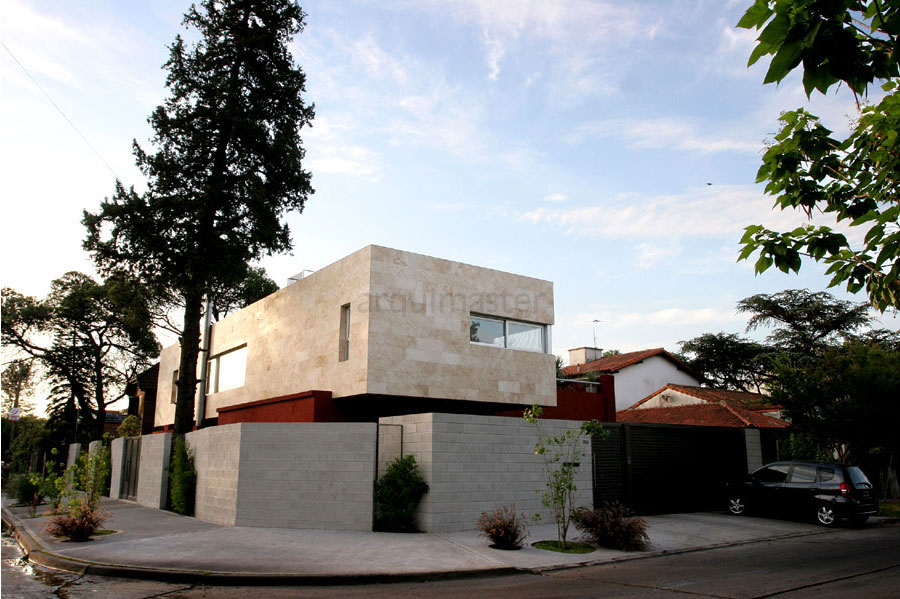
[503,527]
[78,524]
[397,495]
[26,490]
[130,427]
[613,525]
[182,478]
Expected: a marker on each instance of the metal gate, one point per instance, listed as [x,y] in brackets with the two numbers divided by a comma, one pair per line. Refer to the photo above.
[131,467]
[658,468]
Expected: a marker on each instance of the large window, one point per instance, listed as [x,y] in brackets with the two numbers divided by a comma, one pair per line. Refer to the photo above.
[502,332]
[226,371]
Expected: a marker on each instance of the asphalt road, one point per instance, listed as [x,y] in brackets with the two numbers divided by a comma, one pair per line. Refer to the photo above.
[841,563]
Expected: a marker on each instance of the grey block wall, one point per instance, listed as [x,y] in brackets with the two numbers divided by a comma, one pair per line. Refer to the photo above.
[217,453]
[95,447]
[754,448]
[116,457]
[475,464]
[286,475]
[153,479]
[74,452]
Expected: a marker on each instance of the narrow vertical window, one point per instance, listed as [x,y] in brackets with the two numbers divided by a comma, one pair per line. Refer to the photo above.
[344,347]
[175,386]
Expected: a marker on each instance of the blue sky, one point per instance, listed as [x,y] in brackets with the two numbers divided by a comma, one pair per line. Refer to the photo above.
[608,147]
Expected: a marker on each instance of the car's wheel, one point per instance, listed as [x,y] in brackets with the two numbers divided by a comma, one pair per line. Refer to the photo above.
[736,505]
[825,515]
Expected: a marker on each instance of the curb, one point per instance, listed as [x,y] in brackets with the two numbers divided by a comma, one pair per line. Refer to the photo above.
[36,553]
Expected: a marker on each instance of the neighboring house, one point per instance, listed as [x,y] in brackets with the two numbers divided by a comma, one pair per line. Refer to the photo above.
[636,373]
[706,414]
[685,395]
[112,422]
[379,333]
[141,391]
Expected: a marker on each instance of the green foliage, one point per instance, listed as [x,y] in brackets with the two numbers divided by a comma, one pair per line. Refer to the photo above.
[804,322]
[613,525]
[254,287]
[130,427]
[806,168]
[397,495]
[52,484]
[803,446]
[25,443]
[728,361]
[27,491]
[560,457]
[90,339]
[182,478]
[504,527]
[847,401]
[17,380]
[569,547]
[225,168]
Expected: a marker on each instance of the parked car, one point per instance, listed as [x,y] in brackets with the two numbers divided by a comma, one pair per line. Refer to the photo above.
[827,491]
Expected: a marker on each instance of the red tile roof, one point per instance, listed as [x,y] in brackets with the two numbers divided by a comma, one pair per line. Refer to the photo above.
[612,364]
[710,414]
[755,402]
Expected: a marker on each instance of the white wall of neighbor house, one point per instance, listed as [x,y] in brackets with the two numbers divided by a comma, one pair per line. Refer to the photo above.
[153,477]
[671,398]
[286,475]
[409,318]
[475,464]
[637,381]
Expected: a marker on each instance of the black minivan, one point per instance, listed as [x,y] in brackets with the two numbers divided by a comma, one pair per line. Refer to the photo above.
[828,491]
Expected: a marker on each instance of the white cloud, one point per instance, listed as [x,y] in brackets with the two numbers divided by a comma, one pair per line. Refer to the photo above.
[705,212]
[678,134]
[496,50]
[555,197]
[649,255]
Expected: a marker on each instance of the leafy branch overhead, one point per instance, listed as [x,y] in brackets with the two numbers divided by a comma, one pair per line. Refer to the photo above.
[854,180]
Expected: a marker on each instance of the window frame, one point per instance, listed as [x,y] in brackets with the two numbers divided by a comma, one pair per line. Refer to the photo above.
[344,334]
[544,329]
[214,368]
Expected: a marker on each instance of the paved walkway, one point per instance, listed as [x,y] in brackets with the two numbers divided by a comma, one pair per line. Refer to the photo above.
[160,545]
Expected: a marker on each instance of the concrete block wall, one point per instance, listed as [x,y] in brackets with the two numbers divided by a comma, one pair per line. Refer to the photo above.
[116,457]
[74,452]
[95,447]
[153,479]
[286,475]
[475,464]
[217,455]
[754,449]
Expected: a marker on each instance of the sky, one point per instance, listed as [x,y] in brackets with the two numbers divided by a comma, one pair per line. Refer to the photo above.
[610,148]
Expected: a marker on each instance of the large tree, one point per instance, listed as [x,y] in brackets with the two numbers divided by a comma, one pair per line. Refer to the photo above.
[90,339]
[226,166]
[803,322]
[17,381]
[854,180]
[728,361]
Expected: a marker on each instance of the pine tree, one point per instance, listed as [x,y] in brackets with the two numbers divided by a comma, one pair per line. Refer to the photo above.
[226,166]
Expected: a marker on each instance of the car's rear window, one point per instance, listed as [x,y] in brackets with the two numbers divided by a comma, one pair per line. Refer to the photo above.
[857,476]
[826,474]
[803,474]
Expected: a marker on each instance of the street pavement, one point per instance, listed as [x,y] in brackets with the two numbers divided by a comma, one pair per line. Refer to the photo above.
[159,545]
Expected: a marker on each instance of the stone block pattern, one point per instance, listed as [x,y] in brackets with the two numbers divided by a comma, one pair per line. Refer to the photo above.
[72,455]
[754,448]
[117,457]
[286,475]
[475,464]
[153,479]
[217,455]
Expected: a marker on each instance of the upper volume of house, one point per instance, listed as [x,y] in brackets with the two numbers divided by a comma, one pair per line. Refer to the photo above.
[383,326]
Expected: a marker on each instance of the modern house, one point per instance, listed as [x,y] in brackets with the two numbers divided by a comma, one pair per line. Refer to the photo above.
[378,333]
[636,373]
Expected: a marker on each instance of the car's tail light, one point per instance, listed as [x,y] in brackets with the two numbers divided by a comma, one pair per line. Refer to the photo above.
[845,489]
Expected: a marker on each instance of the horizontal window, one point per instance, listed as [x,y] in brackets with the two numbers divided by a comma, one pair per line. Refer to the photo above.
[226,371]
[507,333]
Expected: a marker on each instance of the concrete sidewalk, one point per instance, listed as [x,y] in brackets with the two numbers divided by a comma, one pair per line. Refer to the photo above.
[159,545]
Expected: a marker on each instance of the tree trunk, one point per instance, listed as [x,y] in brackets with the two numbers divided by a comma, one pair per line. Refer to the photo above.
[187,370]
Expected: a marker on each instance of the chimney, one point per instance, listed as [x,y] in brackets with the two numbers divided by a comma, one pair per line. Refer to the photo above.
[582,355]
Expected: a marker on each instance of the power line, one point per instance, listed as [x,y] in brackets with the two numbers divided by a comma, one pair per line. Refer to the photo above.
[59,110]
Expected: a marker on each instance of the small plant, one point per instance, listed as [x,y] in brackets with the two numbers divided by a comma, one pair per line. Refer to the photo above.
[182,478]
[78,524]
[613,525]
[50,483]
[397,495]
[560,456]
[504,527]
[26,491]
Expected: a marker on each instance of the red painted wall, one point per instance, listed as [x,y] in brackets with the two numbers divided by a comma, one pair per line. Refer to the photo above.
[308,406]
